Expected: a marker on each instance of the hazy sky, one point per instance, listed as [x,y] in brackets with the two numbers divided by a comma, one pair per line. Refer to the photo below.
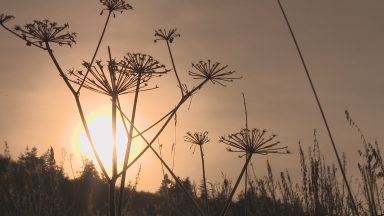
[342,43]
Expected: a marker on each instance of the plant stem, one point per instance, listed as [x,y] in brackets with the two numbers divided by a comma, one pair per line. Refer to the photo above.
[95,53]
[354,207]
[170,116]
[128,149]
[114,100]
[229,200]
[149,145]
[112,205]
[80,110]
[245,189]
[114,151]
[174,68]
[204,179]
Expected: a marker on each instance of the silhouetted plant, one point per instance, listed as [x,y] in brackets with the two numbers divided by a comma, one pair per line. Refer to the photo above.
[213,72]
[129,75]
[249,142]
[372,173]
[200,138]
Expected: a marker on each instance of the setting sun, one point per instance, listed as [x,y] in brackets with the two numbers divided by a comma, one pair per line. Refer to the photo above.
[99,122]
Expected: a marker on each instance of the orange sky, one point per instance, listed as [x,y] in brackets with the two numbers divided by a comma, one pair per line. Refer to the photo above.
[342,43]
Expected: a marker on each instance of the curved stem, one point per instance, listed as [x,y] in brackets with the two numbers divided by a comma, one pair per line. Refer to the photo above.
[229,200]
[354,207]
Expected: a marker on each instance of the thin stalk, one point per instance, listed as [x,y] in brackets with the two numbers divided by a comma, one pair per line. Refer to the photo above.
[246,156]
[245,190]
[80,110]
[114,100]
[354,206]
[95,53]
[174,69]
[204,179]
[114,151]
[128,149]
[229,200]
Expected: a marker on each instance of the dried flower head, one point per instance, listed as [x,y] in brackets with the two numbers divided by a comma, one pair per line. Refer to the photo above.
[253,142]
[112,80]
[115,5]
[41,32]
[143,64]
[213,72]
[197,138]
[5,18]
[167,35]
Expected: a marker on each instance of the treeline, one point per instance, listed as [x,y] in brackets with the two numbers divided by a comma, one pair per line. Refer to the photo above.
[37,185]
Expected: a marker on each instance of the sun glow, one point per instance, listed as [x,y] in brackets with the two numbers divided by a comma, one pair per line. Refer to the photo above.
[99,123]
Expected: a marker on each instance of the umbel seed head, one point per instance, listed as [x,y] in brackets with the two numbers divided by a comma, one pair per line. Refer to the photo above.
[213,72]
[115,5]
[167,35]
[198,138]
[253,141]
[45,31]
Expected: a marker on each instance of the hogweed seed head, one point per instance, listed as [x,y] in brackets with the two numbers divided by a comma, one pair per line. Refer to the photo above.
[143,64]
[45,31]
[167,35]
[115,79]
[115,5]
[198,138]
[253,142]
[213,72]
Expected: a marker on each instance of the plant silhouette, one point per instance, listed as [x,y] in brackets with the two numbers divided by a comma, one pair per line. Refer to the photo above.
[115,78]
